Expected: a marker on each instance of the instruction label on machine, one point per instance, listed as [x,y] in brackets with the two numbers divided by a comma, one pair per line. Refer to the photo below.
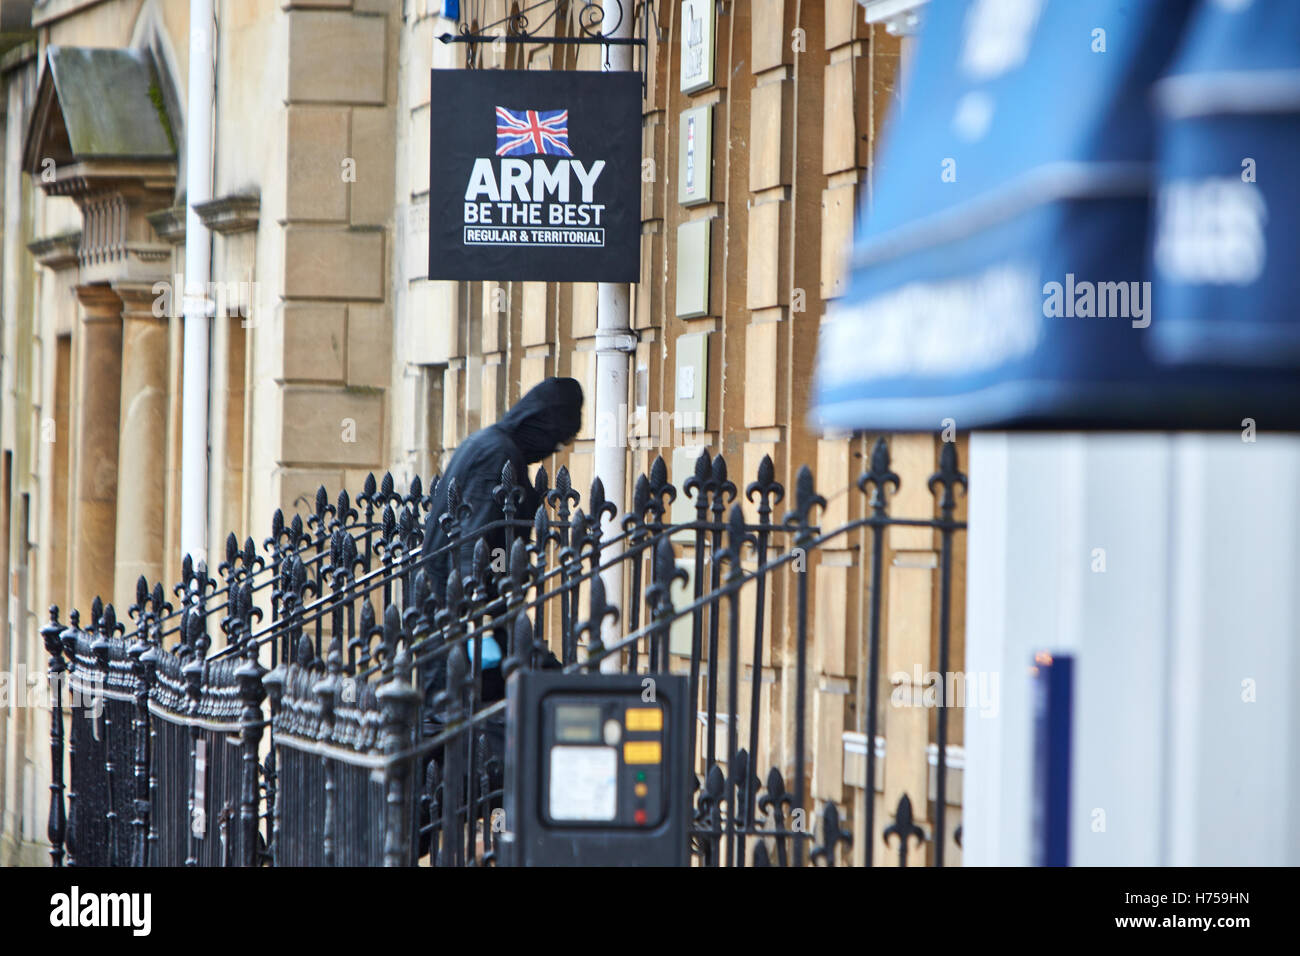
[584,783]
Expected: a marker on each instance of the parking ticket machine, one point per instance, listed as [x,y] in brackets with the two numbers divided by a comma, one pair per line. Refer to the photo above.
[596,770]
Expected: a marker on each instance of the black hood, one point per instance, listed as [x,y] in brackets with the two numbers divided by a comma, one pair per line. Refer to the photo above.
[549,415]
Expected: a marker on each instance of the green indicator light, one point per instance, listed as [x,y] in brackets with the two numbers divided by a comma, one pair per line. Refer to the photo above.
[640,776]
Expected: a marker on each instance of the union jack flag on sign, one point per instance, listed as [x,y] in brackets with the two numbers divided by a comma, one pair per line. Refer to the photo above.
[530,132]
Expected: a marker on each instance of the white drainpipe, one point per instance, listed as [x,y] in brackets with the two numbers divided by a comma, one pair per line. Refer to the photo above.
[614,346]
[198,264]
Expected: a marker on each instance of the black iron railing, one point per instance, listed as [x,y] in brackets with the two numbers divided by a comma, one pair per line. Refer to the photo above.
[365,672]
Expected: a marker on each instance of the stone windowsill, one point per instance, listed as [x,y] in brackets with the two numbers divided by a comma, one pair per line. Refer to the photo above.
[230,214]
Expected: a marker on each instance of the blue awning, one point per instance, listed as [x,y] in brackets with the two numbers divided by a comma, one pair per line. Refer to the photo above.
[1225,250]
[1001,278]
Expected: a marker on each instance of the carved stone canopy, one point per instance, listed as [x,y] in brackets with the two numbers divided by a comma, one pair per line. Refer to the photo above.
[100,134]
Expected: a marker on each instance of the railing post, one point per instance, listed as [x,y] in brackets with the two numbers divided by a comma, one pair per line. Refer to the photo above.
[142,663]
[660,498]
[659,597]
[58,821]
[698,486]
[400,701]
[634,527]
[453,776]
[721,491]
[251,693]
[105,623]
[161,610]
[560,497]
[800,520]
[737,775]
[948,477]
[274,684]
[327,693]
[882,479]
[69,641]
[192,671]
[769,493]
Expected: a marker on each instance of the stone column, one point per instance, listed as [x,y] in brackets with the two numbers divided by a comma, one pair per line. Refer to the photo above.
[142,444]
[95,444]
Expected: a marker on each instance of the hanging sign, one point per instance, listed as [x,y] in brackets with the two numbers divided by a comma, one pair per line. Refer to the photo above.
[535,176]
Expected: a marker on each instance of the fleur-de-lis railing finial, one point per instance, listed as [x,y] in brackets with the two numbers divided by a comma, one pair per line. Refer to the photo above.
[344,513]
[879,476]
[769,491]
[276,540]
[903,827]
[635,519]
[949,477]
[393,638]
[541,483]
[599,507]
[799,519]
[386,493]
[698,485]
[523,647]
[662,493]
[600,611]
[737,538]
[659,596]
[322,512]
[509,494]
[708,813]
[458,510]
[415,496]
[775,803]
[723,490]
[137,610]
[832,835]
[477,582]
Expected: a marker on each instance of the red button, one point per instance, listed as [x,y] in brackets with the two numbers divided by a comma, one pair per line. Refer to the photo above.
[639,816]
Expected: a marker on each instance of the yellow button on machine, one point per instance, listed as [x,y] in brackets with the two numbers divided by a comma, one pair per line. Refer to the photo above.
[642,751]
[642,789]
[644,718]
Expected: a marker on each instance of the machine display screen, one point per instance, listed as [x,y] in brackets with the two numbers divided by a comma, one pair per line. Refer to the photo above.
[577,723]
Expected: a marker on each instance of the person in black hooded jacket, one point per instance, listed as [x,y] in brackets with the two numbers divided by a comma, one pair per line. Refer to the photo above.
[544,420]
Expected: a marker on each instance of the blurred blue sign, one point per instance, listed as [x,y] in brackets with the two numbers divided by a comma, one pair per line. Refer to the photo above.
[1001,277]
[1224,250]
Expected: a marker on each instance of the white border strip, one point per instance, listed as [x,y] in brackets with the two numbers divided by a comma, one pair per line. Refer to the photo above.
[174,718]
[1048,183]
[856,743]
[1230,91]
[350,757]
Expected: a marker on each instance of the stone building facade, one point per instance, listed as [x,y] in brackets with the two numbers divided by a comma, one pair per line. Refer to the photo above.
[332,356]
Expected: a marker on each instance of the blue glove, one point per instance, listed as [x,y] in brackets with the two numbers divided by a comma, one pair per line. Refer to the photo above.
[491,652]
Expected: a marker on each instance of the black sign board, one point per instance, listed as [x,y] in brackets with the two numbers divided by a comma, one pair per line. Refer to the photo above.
[535,176]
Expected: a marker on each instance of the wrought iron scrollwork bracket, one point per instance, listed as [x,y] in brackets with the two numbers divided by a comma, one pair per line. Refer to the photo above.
[590,21]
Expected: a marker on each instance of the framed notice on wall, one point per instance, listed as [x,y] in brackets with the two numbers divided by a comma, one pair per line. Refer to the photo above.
[697,20]
[535,176]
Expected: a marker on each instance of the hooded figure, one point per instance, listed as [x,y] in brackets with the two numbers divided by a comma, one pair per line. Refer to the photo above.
[549,416]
